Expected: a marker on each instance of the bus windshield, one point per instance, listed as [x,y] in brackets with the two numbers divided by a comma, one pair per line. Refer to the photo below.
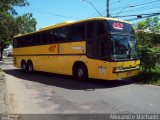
[124,47]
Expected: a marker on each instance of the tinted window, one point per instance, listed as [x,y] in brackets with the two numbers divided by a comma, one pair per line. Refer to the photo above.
[26,41]
[56,35]
[46,37]
[100,28]
[36,39]
[90,30]
[15,43]
[50,37]
[63,34]
[71,33]
[19,42]
[79,33]
[76,33]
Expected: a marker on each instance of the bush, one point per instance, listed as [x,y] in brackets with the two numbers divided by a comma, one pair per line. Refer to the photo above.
[150,58]
[148,77]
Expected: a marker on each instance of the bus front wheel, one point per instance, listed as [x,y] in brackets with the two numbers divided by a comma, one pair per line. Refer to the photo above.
[29,67]
[80,72]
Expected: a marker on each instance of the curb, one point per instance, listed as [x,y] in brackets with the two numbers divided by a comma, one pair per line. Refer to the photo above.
[5,107]
[2,74]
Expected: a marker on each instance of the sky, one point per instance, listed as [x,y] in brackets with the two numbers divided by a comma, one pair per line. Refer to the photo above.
[48,12]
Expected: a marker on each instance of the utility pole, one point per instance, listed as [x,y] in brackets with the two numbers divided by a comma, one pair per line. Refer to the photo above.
[108,8]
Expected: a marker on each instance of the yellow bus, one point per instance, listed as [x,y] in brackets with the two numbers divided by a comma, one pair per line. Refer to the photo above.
[99,48]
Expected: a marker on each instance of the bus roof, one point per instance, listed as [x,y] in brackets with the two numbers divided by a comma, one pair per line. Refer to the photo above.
[66,23]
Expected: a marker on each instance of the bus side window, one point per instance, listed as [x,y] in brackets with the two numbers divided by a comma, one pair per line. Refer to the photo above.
[90,30]
[27,41]
[44,38]
[15,42]
[36,39]
[63,34]
[91,41]
[50,36]
[100,28]
[102,43]
[19,42]
[79,33]
[101,39]
[56,34]
[71,33]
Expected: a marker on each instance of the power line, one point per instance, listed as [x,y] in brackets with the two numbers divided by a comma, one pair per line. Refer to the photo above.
[92,6]
[145,7]
[139,15]
[135,5]
[49,13]
[43,12]
[143,16]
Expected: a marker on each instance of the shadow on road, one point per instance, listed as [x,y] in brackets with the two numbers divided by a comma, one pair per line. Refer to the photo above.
[64,81]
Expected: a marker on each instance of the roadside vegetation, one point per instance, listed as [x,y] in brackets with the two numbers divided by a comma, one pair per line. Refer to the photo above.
[148,77]
[148,33]
[12,24]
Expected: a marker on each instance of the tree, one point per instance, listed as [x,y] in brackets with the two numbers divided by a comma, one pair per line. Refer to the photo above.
[5,32]
[12,24]
[24,24]
[148,36]
[8,5]
[149,24]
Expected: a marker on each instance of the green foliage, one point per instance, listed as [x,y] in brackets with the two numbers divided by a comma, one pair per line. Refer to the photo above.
[10,24]
[8,5]
[150,24]
[5,29]
[149,58]
[24,24]
[148,77]
[148,37]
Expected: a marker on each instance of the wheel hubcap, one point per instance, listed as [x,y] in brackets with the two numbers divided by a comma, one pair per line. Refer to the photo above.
[24,66]
[30,68]
[80,73]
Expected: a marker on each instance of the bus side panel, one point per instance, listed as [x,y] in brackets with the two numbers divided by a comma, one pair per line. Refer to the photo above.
[17,62]
[69,53]
[92,67]
[102,70]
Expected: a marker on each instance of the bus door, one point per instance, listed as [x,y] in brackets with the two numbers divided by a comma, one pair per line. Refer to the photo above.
[96,45]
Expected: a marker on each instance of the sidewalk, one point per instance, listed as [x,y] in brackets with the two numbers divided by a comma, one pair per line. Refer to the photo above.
[4,106]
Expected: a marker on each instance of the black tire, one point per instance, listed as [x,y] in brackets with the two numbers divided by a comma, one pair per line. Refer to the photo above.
[24,66]
[81,72]
[30,67]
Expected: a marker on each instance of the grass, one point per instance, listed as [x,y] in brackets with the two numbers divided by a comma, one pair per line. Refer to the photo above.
[152,77]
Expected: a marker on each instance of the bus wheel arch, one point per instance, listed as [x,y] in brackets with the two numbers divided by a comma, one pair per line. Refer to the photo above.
[24,65]
[80,71]
[30,66]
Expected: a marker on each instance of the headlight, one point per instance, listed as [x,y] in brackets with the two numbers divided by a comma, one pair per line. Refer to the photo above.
[116,69]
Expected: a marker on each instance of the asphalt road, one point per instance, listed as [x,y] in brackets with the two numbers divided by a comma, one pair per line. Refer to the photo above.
[49,93]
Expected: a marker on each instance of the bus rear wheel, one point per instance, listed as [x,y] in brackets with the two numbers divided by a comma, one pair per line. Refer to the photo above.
[30,67]
[80,72]
[24,66]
